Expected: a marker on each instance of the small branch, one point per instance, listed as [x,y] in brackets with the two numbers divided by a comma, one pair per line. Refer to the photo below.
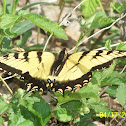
[47,42]
[6,78]
[110,46]
[103,90]
[122,16]
[123,69]
[121,122]
[62,22]
[6,85]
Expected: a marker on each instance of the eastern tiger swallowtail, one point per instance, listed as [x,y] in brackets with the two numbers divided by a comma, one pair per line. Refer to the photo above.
[59,72]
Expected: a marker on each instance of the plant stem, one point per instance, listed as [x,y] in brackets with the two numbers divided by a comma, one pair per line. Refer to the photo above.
[4,7]
[101,6]
[38,31]
[6,85]
[14,6]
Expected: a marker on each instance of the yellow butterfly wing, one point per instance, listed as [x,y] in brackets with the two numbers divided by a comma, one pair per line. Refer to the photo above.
[36,64]
[76,70]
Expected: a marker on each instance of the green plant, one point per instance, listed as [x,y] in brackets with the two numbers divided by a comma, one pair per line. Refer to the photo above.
[79,107]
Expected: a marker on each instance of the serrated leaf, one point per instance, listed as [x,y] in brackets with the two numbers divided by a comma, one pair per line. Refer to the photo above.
[43,109]
[17,119]
[108,72]
[99,19]
[89,7]
[67,111]
[113,78]
[62,114]
[28,114]
[121,94]
[98,107]
[46,24]
[89,91]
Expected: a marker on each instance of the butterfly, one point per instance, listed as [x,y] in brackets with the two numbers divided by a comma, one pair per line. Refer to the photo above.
[58,72]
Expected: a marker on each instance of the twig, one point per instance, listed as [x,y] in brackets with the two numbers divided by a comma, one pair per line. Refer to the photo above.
[6,85]
[62,22]
[121,122]
[123,69]
[70,13]
[103,90]
[81,42]
[47,42]
[6,78]
[110,46]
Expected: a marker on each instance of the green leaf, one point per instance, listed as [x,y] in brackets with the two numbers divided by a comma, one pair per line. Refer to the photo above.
[117,6]
[98,107]
[108,72]
[121,46]
[29,114]
[46,24]
[99,19]
[8,20]
[67,97]
[124,4]
[43,109]
[89,7]
[68,111]
[89,91]
[22,27]
[112,91]
[1,121]
[113,79]
[108,44]
[62,114]
[3,106]
[35,47]
[19,119]
[24,40]
[6,43]
[121,94]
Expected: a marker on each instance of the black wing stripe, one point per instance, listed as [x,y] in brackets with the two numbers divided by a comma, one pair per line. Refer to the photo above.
[10,69]
[16,55]
[109,52]
[26,56]
[83,54]
[39,54]
[98,53]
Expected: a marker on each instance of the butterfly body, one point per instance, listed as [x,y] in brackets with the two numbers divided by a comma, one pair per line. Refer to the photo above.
[47,71]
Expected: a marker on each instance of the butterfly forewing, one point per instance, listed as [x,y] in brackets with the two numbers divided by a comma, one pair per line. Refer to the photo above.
[38,66]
